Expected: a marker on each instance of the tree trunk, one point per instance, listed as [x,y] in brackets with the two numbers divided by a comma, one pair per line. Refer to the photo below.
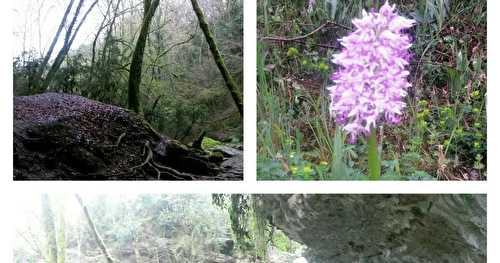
[94,43]
[61,237]
[383,228]
[134,80]
[92,227]
[41,69]
[50,229]
[231,85]
[69,38]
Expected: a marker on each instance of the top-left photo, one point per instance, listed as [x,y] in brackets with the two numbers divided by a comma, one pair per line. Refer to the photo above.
[128,89]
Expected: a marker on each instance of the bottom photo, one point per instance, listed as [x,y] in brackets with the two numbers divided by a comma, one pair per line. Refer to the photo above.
[58,228]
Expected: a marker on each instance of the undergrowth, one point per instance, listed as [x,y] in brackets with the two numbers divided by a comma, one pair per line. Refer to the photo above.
[443,132]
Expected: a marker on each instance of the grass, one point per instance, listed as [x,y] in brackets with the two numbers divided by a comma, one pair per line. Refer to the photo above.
[443,132]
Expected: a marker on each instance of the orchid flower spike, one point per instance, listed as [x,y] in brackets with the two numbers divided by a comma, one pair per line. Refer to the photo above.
[371,81]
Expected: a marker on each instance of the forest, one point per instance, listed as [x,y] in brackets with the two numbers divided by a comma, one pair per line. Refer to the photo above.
[431,122]
[103,87]
[273,228]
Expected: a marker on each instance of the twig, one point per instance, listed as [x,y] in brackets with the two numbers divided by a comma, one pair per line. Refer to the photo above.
[304,43]
[306,35]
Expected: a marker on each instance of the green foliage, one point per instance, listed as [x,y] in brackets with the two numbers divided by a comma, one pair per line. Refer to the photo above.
[253,229]
[281,241]
[292,52]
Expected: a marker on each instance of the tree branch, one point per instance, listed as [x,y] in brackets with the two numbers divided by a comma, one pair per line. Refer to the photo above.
[97,237]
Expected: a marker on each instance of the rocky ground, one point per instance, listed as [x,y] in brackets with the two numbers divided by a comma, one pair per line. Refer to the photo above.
[67,137]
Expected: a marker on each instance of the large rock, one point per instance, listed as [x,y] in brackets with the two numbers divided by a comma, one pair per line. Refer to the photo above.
[61,136]
[383,228]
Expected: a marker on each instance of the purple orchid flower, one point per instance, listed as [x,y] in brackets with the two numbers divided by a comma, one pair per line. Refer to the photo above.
[371,82]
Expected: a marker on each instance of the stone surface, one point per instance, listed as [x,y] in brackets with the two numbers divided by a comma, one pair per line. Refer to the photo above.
[227,151]
[383,228]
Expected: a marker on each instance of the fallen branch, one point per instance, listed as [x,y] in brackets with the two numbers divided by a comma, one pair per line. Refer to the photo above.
[284,39]
[304,43]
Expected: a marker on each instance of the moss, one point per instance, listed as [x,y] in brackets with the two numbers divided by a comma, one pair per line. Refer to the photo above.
[209,143]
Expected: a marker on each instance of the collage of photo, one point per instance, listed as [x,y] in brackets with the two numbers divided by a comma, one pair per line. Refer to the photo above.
[122,94]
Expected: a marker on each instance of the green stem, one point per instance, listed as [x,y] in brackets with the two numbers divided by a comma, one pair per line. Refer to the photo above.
[373,159]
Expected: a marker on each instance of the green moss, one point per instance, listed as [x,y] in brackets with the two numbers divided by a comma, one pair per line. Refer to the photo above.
[209,143]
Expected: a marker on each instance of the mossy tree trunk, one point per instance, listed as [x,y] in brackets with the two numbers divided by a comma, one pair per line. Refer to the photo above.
[230,83]
[134,80]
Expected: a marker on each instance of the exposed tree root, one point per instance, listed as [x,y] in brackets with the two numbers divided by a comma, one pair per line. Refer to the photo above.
[118,141]
[160,169]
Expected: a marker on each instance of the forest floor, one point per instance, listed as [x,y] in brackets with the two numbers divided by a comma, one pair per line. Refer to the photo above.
[60,137]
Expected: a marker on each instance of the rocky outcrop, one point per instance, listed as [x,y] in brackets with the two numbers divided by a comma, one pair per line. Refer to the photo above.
[383,228]
[60,136]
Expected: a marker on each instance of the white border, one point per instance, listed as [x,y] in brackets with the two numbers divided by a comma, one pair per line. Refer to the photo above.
[9,190]
[493,113]
[249,91]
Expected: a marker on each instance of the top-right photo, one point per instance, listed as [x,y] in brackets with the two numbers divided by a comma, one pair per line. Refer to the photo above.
[371,90]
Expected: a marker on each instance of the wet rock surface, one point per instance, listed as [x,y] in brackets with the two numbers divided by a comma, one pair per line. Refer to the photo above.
[67,137]
[383,228]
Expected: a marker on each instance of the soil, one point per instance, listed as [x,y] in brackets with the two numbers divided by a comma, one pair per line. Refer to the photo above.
[66,137]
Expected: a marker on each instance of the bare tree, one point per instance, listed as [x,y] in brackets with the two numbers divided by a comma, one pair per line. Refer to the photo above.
[70,35]
[45,60]
[68,41]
